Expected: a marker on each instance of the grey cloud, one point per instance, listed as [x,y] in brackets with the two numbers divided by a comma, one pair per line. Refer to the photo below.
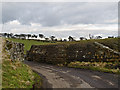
[52,14]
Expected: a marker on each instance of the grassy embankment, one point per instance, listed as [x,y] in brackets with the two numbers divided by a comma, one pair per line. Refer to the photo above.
[15,74]
[98,66]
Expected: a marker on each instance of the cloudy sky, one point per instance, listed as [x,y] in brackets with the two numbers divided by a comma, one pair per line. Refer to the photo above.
[61,19]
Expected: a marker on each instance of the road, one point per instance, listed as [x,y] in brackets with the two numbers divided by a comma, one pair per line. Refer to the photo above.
[63,77]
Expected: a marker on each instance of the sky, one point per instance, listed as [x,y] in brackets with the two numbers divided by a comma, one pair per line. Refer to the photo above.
[61,19]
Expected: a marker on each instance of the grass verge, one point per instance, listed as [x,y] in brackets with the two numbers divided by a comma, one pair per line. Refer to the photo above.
[15,74]
[97,66]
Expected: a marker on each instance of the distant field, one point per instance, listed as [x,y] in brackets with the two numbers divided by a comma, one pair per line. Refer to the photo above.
[110,42]
[29,43]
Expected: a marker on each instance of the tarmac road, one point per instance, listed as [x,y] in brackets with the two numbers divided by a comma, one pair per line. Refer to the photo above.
[63,77]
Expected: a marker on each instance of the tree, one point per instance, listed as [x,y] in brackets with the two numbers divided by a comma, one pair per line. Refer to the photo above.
[29,35]
[5,34]
[98,37]
[81,38]
[110,36]
[65,40]
[91,36]
[41,35]
[23,36]
[60,39]
[47,39]
[34,36]
[70,38]
[55,39]
[8,35]
[17,36]
[11,35]
[52,38]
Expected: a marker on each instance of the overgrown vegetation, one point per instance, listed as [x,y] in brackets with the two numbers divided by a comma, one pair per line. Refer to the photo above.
[18,75]
[97,66]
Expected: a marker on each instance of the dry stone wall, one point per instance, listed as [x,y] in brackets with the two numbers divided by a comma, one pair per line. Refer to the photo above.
[65,53]
[15,50]
[47,53]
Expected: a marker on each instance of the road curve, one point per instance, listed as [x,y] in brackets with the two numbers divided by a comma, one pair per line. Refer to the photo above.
[63,77]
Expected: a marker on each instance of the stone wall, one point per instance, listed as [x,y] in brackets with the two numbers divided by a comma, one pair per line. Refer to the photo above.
[15,50]
[63,53]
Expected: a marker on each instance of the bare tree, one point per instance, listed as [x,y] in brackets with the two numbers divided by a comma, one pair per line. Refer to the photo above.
[91,36]
[98,37]
[52,38]
[70,38]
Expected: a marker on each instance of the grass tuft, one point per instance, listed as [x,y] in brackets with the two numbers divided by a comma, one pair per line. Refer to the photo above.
[96,66]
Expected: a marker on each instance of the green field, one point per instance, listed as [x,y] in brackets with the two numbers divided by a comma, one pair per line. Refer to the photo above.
[28,43]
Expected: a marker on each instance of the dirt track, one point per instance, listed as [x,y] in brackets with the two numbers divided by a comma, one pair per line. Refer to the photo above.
[63,77]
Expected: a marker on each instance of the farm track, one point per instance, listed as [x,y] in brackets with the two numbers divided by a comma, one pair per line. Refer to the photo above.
[63,77]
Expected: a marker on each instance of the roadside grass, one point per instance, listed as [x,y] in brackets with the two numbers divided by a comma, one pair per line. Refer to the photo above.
[15,74]
[18,75]
[97,66]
